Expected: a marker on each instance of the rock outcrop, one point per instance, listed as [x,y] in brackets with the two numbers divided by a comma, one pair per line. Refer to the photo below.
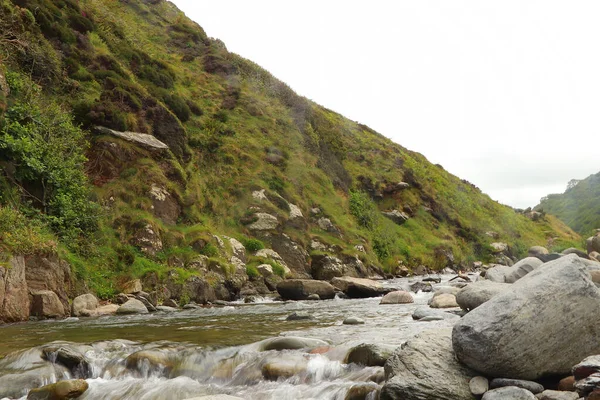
[300,289]
[359,288]
[14,297]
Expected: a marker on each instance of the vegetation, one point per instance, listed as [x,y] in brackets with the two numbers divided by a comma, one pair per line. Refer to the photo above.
[240,142]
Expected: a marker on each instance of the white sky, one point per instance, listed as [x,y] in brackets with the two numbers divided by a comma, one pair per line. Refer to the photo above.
[505,93]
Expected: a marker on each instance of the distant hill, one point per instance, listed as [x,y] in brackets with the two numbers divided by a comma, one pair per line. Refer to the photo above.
[578,206]
[230,152]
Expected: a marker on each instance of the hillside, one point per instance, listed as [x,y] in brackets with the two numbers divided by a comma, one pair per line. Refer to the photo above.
[248,162]
[578,206]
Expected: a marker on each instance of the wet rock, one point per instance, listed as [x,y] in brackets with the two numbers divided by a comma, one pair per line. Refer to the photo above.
[478,385]
[421,287]
[551,338]
[353,321]
[533,387]
[46,304]
[132,287]
[475,294]
[444,300]
[358,288]
[397,297]
[69,356]
[314,297]
[284,367]
[264,222]
[434,279]
[132,306]
[17,385]
[300,289]
[145,362]
[361,392]
[371,355]
[425,312]
[289,343]
[84,305]
[298,316]
[522,268]
[70,389]
[14,298]
[557,395]
[425,368]
[509,392]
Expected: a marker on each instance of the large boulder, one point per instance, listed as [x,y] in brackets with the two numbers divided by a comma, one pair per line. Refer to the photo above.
[508,393]
[359,288]
[371,355]
[536,251]
[325,268]
[300,289]
[522,268]
[397,297]
[497,273]
[14,299]
[425,368]
[540,327]
[132,306]
[443,300]
[46,304]
[263,222]
[62,390]
[475,294]
[84,305]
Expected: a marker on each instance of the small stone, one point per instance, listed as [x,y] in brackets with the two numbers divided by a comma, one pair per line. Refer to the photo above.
[313,297]
[567,384]
[353,321]
[479,385]
[132,306]
[421,287]
[508,392]
[533,387]
[298,316]
[557,395]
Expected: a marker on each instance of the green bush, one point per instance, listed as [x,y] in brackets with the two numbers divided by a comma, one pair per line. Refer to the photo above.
[252,272]
[364,209]
[179,107]
[278,269]
[210,250]
[22,235]
[253,245]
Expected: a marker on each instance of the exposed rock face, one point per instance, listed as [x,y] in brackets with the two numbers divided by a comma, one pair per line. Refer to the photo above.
[142,139]
[475,294]
[541,326]
[239,251]
[522,268]
[84,305]
[293,254]
[359,288]
[264,222]
[300,289]
[425,368]
[326,268]
[47,272]
[46,304]
[147,239]
[14,299]
[164,205]
[396,216]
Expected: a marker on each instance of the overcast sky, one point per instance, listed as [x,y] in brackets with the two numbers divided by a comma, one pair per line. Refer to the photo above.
[505,94]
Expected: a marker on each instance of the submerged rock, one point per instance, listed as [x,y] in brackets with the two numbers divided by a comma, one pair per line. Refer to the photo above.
[288,343]
[70,389]
[298,316]
[371,355]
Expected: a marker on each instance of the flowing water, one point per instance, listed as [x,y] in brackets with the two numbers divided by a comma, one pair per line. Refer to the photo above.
[220,350]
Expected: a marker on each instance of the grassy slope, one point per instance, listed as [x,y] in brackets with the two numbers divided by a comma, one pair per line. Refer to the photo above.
[233,116]
[578,207]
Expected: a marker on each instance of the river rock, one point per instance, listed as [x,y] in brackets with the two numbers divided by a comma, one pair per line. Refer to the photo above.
[298,316]
[353,321]
[166,309]
[358,288]
[69,355]
[132,306]
[371,355]
[475,294]
[70,389]
[300,289]
[508,393]
[397,297]
[444,300]
[288,343]
[533,387]
[497,273]
[585,368]
[132,287]
[522,268]
[146,303]
[17,385]
[314,297]
[425,368]
[84,305]
[587,386]
[478,385]
[284,366]
[170,303]
[421,287]
[549,309]
[426,312]
[46,304]
[557,395]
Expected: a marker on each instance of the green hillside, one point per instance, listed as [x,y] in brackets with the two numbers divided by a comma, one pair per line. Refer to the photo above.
[578,206]
[241,145]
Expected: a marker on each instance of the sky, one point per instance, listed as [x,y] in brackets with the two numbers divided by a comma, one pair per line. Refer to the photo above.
[505,94]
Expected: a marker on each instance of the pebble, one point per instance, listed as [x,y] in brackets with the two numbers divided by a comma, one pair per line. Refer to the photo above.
[479,385]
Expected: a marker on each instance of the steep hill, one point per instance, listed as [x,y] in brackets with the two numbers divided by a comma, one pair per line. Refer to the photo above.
[247,159]
[578,206]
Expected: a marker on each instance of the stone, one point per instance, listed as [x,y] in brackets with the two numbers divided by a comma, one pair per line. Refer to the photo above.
[397,297]
[132,287]
[327,225]
[595,244]
[533,387]
[353,321]
[508,393]
[170,303]
[46,304]
[444,300]
[298,316]
[370,355]
[539,327]
[499,247]
[259,195]
[594,255]
[358,288]
[475,294]
[421,287]
[149,306]
[314,297]
[362,392]
[295,211]
[535,251]
[121,298]
[142,139]
[69,356]
[132,306]
[166,309]
[288,343]
[478,385]
[84,305]
[522,268]
[216,397]
[300,289]
[585,368]
[14,297]
[425,368]
[573,250]
[69,389]
[497,273]
[48,272]
[164,205]
[108,309]
[325,268]
[16,385]
[264,222]
[293,254]
[588,385]
[265,270]
[567,384]
[426,312]
[284,367]
[557,395]
[396,216]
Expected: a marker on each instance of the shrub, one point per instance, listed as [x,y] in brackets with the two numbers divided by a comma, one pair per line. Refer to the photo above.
[278,269]
[210,250]
[253,245]
[363,209]
[252,272]
[179,107]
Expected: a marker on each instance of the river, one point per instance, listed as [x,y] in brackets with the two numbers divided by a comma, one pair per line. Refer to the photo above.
[219,350]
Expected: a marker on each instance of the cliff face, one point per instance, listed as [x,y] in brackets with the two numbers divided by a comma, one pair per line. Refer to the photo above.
[146,150]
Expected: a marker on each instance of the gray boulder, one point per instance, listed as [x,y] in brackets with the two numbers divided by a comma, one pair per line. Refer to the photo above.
[425,368]
[541,326]
[533,387]
[300,289]
[522,268]
[84,305]
[426,312]
[537,251]
[263,222]
[325,267]
[475,294]
[358,288]
[508,393]
[557,395]
[371,355]
[497,273]
[132,306]
[353,321]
